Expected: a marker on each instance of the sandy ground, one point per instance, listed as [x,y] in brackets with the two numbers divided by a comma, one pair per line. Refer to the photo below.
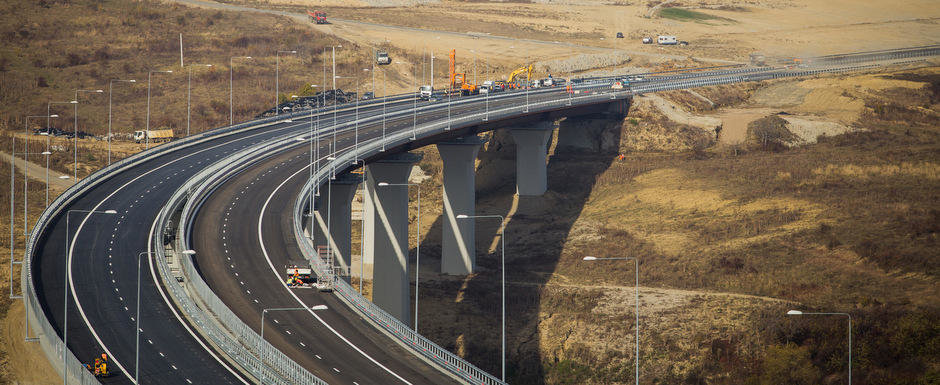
[734,123]
[25,360]
[775,27]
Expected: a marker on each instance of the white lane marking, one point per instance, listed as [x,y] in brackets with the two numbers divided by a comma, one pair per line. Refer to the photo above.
[264,250]
[78,304]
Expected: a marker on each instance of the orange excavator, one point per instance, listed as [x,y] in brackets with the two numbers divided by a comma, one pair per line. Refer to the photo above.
[459,79]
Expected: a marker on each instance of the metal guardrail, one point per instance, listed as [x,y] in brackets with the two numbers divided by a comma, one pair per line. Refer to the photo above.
[48,338]
[54,347]
[216,321]
[417,343]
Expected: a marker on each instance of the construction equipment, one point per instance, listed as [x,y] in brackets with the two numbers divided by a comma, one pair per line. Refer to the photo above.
[318,17]
[299,274]
[513,79]
[459,79]
[160,135]
[100,368]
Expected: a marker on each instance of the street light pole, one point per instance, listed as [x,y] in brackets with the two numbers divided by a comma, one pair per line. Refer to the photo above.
[231,87]
[110,86]
[65,299]
[502,241]
[636,293]
[265,311]
[417,241]
[75,134]
[48,135]
[277,77]
[147,133]
[798,312]
[189,87]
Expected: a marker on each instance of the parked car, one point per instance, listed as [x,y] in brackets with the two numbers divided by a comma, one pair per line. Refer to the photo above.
[616,86]
[368,96]
[647,40]
[620,35]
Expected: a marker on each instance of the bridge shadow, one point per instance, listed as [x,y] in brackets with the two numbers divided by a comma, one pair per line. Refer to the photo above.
[462,314]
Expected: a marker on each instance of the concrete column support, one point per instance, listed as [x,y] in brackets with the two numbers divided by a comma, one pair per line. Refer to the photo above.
[334,219]
[531,151]
[458,249]
[386,234]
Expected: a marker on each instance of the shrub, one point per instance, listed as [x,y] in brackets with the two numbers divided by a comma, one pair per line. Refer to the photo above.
[770,133]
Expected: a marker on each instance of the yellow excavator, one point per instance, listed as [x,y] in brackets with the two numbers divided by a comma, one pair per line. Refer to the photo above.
[514,76]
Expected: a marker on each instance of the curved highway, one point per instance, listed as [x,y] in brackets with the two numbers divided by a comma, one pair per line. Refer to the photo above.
[96,253]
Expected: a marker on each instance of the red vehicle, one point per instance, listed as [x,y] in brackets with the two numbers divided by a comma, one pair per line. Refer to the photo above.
[318,17]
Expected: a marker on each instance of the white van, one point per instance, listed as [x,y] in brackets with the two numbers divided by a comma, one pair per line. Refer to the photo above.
[667,40]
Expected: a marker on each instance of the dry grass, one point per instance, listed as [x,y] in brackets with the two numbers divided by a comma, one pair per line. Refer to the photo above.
[727,244]
[55,48]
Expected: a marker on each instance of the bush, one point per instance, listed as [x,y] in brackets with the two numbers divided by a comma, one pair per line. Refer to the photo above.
[770,133]
[789,364]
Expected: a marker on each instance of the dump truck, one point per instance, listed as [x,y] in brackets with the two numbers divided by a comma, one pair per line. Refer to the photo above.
[159,135]
[382,58]
[318,17]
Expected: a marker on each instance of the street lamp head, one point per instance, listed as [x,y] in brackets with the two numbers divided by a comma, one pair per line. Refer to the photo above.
[589,258]
[462,216]
[189,252]
[45,153]
[285,108]
[54,116]
[300,139]
[168,71]
[132,81]
[330,158]
[794,312]
[99,91]
[248,57]
[294,96]
[319,307]
[293,51]
[64,177]
[383,184]
[73,101]
[110,211]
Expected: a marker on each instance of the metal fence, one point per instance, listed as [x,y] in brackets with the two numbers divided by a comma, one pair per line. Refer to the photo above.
[214,319]
[418,344]
[269,362]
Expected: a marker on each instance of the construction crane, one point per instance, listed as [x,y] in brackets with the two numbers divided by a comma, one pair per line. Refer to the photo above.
[514,75]
[459,79]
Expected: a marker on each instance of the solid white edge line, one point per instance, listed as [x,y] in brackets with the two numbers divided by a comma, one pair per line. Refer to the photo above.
[78,304]
[296,298]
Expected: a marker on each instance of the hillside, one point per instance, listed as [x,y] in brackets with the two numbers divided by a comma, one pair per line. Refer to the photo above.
[729,237]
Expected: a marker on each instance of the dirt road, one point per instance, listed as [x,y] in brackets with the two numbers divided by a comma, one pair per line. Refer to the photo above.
[38,172]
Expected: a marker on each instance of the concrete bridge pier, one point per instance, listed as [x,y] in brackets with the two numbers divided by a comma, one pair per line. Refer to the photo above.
[386,233]
[458,254]
[334,219]
[531,152]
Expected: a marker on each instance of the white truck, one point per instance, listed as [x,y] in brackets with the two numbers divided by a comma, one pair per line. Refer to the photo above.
[667,40]
[426,92]
[382,58]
